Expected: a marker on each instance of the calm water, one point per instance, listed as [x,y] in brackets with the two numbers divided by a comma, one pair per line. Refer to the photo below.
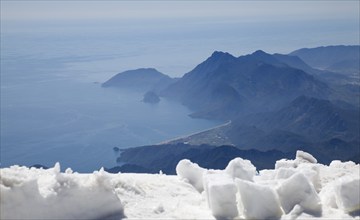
[79,123]
[54,109]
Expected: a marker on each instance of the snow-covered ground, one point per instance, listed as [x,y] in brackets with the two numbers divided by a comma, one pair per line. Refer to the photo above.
[295,189]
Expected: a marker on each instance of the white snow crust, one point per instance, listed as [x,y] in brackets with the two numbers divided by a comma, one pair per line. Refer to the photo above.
[191,172]
[220,193]
[295,189]
[242,169]
[258,201]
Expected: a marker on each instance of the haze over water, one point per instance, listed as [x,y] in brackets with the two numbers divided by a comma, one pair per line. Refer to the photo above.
[55,54]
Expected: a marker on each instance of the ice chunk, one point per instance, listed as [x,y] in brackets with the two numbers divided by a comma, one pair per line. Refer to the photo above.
[240,168]
[258,201]
[267,174]
[347,194]
[311,172]
[327,196]
[69,171]
[298,190]
[56,169]
[302,156]
[284,173]
[284,163]
[191,172]
[344,165]
[221,194]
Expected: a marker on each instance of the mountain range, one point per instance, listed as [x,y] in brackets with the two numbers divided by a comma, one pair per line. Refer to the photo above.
[342,59]
[224,86]
[272,102]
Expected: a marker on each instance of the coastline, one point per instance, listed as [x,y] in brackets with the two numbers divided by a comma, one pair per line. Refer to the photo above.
[197,138]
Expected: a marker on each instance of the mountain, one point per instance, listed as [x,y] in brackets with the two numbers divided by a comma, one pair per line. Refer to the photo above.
[319,126]
[271,102]
[224,86]
[326,76]
[344,87]
[196,91]
[295,62]
[341,59]
[144,79]
[316,119]
[151,97]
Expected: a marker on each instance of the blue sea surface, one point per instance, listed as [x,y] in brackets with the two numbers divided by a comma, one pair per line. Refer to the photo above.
[53,108]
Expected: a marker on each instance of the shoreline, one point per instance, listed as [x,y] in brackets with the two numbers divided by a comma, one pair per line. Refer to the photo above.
[195,133]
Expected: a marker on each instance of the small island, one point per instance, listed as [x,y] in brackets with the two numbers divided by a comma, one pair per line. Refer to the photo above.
[151,97]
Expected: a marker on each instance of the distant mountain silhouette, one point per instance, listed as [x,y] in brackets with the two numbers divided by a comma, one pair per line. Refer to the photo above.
[342,59]
[224,86]
[327,76]
[142,80]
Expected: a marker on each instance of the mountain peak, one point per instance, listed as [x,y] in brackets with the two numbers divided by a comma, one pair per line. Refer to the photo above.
[262,56]
[145,70]
[220,54]
[260,52]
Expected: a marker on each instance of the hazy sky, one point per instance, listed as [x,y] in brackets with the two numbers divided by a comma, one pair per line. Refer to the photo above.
[173,36]
[248,10]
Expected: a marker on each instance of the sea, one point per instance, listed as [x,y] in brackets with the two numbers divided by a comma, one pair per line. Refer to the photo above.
[53,108]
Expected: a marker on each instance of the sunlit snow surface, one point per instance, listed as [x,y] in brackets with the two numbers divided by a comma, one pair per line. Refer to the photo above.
[296,189]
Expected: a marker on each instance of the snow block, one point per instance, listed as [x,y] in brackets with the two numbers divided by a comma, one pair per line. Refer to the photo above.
[284,173]
[337,164]
[327,196]
[221,194]
[298,190]
[258,201]
[192,172]
[302,156]
[284,163]
[240,168]
[347,194]
[312,173]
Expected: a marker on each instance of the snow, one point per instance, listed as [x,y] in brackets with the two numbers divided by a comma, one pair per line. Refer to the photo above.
[192,173]
[242,169]
[347,194]
[305,157]
[49,194]
[295,189]
[284,163]
[220,192]
[258,201]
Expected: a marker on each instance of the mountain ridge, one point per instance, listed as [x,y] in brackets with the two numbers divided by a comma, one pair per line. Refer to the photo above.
[246,79]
